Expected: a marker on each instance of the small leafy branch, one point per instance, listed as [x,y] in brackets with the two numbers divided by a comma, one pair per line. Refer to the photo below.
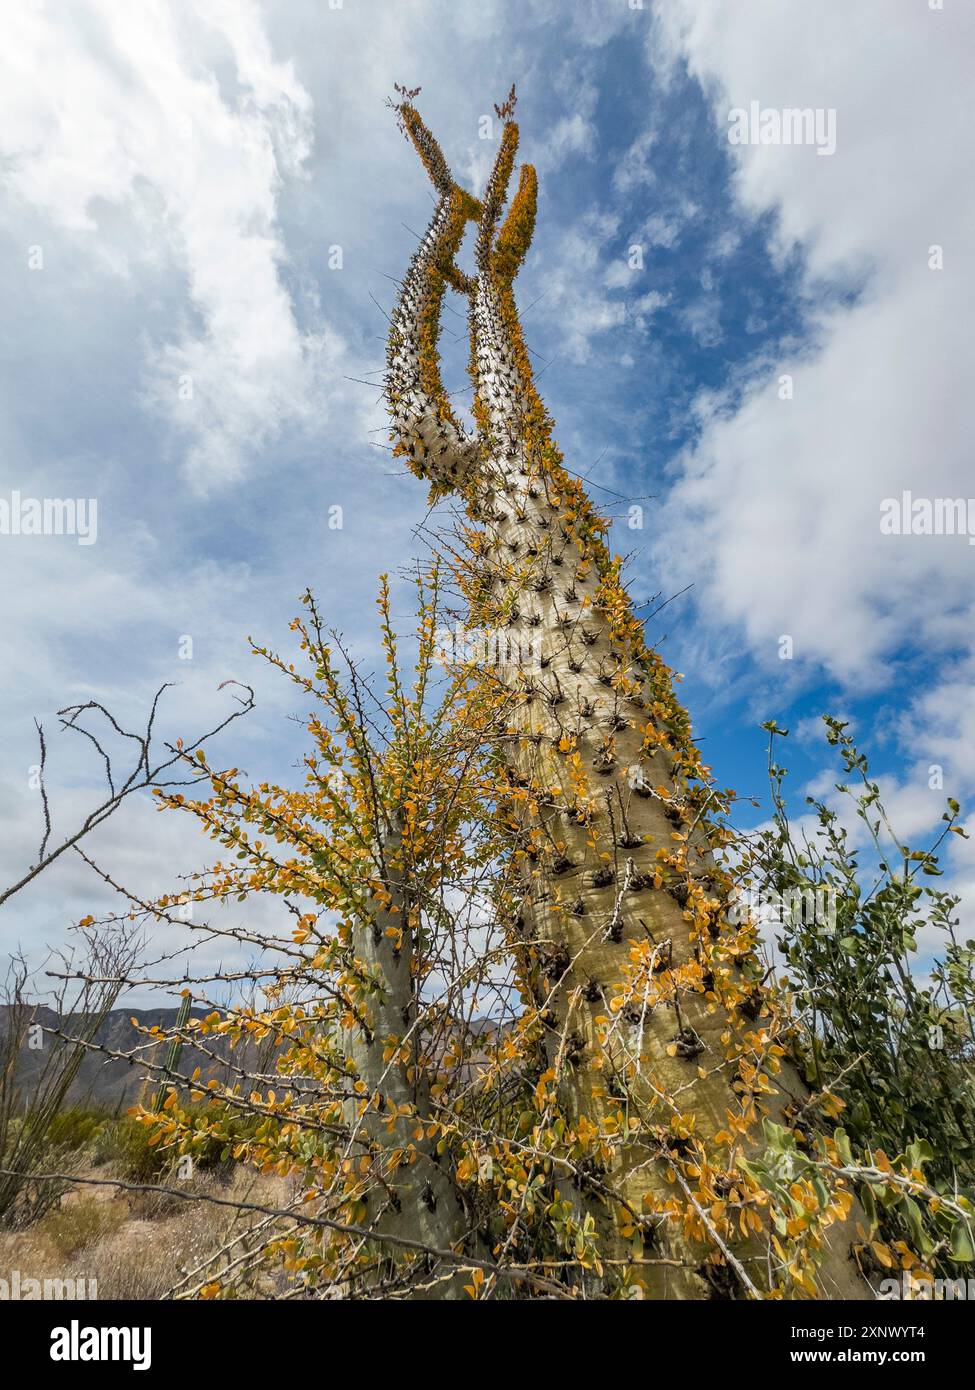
[506,110]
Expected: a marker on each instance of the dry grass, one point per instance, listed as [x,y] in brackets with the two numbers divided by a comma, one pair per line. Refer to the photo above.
[82,1223]
[135,1245]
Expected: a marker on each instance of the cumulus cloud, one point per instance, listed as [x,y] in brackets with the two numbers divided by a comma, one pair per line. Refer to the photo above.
[783,495]
[182,119]
[574,298]
[635,167]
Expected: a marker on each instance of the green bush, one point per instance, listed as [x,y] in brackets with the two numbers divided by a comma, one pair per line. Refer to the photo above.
[895,1043]
[124,1143]
[76,1127]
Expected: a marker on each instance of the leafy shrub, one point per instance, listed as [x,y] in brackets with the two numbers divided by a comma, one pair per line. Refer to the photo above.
[124,1143]
[895,1045]
[76,1127]
[127,1143]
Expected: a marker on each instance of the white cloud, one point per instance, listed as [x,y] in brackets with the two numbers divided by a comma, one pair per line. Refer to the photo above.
[702,318]
[939,727]
[636,165]
[783,496]
[570,135]
[661,230]
[183,120]
[574,301]
[649,304]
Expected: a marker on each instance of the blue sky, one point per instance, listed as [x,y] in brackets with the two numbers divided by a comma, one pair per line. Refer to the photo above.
[185,178]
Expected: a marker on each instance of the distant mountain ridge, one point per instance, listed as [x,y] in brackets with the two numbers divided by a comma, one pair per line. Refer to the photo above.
[113,1082]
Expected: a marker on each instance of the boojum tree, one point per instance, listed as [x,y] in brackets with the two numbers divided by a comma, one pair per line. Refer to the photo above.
[660,1039]
[520,1045]
[363,1006]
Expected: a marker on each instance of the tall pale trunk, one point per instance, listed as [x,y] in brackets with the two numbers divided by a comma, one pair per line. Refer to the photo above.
[651,1024]
[412,1197]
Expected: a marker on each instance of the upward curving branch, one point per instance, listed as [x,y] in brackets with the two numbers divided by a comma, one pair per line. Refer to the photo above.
[425,428]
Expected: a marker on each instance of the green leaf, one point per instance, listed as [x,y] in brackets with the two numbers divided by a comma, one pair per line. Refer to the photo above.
[919,1152]
[962,1248]
[868,1204]
[912,1214]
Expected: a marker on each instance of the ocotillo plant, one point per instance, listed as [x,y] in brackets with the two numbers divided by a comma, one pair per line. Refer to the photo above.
[659,1037]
